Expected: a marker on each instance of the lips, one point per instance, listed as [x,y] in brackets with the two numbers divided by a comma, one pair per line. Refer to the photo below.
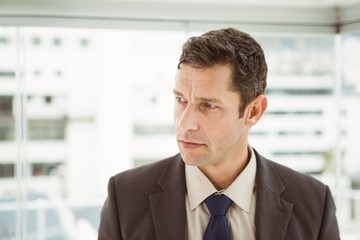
[189,144]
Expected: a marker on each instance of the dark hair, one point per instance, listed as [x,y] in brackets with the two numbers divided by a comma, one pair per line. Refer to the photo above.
[230,46]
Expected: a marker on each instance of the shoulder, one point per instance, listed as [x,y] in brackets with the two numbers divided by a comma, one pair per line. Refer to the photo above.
[148,169]
[310,201]
[289,181]
[146,176]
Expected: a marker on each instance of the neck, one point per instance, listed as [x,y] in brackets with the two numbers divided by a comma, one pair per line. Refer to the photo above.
[224,173]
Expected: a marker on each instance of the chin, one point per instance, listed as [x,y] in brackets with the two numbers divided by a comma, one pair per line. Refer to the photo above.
[192,161]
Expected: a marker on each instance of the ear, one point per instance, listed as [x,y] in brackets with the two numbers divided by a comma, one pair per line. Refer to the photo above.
[255,110]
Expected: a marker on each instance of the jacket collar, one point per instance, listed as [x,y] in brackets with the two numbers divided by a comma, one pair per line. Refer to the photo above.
[168,206]
[272,212]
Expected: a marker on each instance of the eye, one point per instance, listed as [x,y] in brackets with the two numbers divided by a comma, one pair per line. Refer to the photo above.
[209,105]
[180,100]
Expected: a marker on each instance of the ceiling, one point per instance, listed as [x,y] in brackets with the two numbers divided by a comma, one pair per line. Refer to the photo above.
[283,15]
[333,3]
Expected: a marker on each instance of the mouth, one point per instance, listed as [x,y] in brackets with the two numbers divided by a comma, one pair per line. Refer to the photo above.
[189,144]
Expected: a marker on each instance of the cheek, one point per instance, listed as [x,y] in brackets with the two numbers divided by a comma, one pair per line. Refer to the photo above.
[225,133]
[177,116]
[219,132]
[176,113]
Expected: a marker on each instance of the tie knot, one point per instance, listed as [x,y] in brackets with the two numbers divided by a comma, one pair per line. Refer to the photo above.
[218,205]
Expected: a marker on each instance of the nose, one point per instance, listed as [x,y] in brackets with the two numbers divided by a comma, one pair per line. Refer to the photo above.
[186,119]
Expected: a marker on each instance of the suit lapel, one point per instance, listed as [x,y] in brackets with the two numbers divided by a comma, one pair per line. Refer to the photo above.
[272,212]
[168,206]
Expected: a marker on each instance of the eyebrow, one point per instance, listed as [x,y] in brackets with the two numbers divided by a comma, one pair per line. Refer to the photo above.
[176,92]
[204,99]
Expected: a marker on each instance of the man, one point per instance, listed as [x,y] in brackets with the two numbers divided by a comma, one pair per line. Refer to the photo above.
[219,96]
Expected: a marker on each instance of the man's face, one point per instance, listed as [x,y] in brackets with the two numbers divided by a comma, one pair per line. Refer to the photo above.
[209,130]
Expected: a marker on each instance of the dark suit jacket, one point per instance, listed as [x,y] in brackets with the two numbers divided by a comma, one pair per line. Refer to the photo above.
[149,203]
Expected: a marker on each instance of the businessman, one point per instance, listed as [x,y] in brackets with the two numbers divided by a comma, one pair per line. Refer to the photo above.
[218,186]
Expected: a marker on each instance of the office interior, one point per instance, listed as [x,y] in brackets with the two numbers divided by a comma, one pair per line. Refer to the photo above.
[86,92]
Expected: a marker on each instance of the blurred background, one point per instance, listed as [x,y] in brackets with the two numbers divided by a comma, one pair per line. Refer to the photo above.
[86,92]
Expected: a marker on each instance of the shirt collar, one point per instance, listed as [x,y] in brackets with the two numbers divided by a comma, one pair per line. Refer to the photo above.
[240,191]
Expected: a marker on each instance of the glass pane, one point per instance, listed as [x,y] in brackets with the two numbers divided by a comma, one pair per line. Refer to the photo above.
[349,151]
[97,102]
[8,187]
[297,129]
[86,93]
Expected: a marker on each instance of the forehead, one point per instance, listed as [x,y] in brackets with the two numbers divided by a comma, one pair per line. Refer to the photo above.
[215,79]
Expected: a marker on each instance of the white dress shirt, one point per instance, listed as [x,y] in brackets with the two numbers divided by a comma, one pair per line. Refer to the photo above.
[241,214]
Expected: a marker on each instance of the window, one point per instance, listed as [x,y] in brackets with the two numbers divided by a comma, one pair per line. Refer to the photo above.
[45,169]
[114,101]
[7,74]
[85,120]
[46,129]
[6,129]
[48,99]
[36,41]
[57,42]
[84,42]
[4,40]
[7,170]
[6,105]
[6,119]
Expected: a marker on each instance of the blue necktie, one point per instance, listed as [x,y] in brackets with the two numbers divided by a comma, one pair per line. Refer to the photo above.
[218,227]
